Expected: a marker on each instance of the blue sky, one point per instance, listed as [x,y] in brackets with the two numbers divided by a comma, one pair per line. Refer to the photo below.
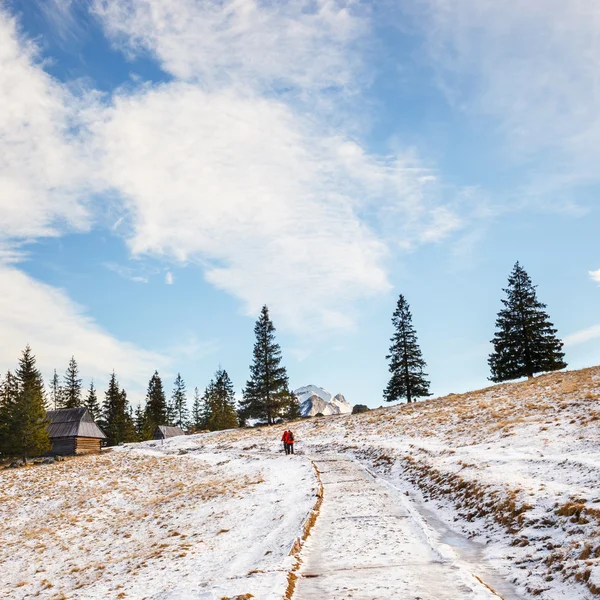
[168,166]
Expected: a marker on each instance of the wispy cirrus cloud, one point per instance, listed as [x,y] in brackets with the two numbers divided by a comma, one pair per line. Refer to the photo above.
[45,178]
[534,69]
[305,44]
[583,336]
[220,167]
[128,273]
[57,328]
[46,181]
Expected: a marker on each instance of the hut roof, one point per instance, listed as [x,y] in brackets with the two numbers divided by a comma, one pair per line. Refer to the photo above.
[72,422]
[167,431]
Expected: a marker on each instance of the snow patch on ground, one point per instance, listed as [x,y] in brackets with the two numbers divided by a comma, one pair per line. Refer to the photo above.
[153,520]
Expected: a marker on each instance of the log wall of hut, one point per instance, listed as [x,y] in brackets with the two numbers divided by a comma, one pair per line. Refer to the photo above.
[63,446]
[75,445]
[85,445]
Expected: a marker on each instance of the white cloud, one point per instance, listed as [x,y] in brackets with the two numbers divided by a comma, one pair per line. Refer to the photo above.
[301,43]
[56,328]
[583,336]
[127,273]
[595,275]
[264,199]
[275,206]
[44,177]
[534,67]
[169,279]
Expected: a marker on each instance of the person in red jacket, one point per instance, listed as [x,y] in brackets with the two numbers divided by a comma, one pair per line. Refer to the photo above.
[290,438]
[284,439]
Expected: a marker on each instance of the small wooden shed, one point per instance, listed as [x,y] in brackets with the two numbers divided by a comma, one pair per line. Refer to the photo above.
[73,431]
[166,431]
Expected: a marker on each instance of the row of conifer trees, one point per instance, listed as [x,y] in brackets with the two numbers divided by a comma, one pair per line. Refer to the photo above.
[525,342]
[24,400]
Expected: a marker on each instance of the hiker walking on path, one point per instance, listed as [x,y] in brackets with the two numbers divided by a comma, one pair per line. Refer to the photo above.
[290,439]
[284,439]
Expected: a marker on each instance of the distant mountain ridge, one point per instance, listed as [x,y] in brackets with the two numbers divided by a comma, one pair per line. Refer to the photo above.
[314,400]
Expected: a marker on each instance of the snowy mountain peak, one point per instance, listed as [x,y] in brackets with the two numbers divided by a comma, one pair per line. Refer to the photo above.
[314,400]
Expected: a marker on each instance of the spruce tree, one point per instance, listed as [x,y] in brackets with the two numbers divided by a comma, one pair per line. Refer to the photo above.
[406,361]
[71,397]
[139,422]
[221,403]
[292,410]
[117,420]
[198,421]
[525,342]
[263,397]
[155,413]
[9,390]
[91,402]
[129,431]
[180,414]
[27,427]
[56,392]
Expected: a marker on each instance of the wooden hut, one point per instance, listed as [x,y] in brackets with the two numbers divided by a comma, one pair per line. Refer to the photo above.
[165,431]
[73,431]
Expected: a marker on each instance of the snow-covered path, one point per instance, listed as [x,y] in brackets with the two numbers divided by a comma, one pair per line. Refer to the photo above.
[368,545]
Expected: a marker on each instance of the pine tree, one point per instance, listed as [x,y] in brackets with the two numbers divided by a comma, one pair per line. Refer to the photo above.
[180,413]
[406,361]
[263,396]
[71,397]
[292,408]
[198,420]
[221,403]
[129,431]
[56,392]
[155,413]
[525,342]
[27,431]
[9,391]
[91,402]
[139,422]
[117,420]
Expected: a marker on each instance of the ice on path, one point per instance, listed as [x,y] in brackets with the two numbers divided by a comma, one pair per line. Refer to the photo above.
[366,545]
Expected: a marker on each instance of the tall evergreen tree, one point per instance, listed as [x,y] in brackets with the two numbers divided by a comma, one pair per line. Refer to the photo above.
[71,397]
[292,410]
[264,392]
[56,392]
[406,361]
[525,342]
[139,422]
[221,403]
[155,413]
[180,414]
[117,421]
[9,391]
[129,430]
[91,402]
[198,416]
[27,432]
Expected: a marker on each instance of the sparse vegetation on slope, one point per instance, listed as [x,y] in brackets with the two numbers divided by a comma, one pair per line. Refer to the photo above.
[515,465]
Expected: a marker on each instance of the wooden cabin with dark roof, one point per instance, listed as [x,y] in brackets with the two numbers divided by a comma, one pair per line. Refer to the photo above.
[166,431]
[73,431]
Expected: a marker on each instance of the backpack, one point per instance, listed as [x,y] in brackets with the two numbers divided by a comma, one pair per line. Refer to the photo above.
[290,436]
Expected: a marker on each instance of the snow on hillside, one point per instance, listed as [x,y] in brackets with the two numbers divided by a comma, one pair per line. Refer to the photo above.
[314,400]
[510,473]
[502,483]
[152,521]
